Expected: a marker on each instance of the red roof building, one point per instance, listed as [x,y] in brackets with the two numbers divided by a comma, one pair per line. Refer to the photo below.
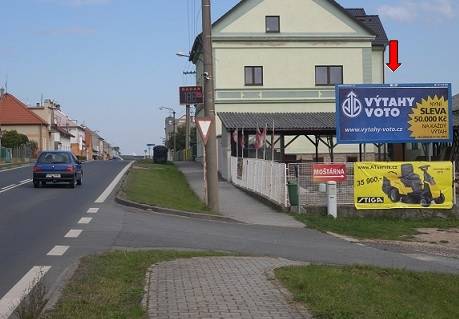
[15,115]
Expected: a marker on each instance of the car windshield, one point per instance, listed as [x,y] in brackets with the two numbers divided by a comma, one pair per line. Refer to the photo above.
[54,158]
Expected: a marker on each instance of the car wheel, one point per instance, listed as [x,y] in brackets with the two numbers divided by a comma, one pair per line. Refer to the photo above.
[36,184]
[72,183]
[80,180]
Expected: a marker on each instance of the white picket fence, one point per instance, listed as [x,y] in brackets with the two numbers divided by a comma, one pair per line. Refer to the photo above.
[265,178]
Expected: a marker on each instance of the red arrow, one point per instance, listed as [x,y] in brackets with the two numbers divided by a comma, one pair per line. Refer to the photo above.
[393,56]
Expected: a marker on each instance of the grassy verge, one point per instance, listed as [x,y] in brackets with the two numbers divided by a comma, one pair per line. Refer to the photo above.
[163,186]
[372,293]
[375,228]
[111,285]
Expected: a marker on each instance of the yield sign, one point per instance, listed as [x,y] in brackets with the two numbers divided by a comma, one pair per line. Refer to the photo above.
[204,126]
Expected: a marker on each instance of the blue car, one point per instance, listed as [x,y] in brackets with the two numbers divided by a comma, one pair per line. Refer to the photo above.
[57,167]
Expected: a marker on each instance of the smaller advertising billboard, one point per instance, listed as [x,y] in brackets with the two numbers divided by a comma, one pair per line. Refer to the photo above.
[394,113]
[190,95]
[323,173]
[389,185]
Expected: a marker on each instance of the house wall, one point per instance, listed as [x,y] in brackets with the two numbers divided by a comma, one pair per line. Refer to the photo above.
[312,33]
[295,72]
[89,143]
[297,16]
[36,133]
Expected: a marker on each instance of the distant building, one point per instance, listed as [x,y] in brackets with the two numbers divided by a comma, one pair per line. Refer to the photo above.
[15,115]
[60,136]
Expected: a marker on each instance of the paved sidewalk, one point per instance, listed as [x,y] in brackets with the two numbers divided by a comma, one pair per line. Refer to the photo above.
[219,287]
[235,203]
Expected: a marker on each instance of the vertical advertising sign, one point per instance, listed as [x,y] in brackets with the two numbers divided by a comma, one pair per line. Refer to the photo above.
[398,113]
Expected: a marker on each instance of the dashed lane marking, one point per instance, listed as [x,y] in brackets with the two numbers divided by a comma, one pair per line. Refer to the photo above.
[93,210]
[58,251]
[73,233]
[14,297]
[85,220]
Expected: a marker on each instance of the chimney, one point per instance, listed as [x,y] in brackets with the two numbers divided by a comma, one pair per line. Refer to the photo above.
[2,92]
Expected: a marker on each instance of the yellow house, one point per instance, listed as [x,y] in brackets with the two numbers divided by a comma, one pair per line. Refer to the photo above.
[286,56]
[15,116]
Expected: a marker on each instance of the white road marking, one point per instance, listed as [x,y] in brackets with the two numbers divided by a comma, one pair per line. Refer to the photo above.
[8,187]
[13,186]
[73,233]
[85,220]
[58,251]
[112,185]
[13,298]
[93,210]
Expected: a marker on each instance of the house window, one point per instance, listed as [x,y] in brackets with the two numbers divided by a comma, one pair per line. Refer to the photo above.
[329,75]
[272,24]
[253,75]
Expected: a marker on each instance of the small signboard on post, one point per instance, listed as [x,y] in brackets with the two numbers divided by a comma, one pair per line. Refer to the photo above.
[203,127]
[190,95]
[323,173]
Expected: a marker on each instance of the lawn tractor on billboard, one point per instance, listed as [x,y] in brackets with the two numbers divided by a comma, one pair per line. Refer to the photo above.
[408,187]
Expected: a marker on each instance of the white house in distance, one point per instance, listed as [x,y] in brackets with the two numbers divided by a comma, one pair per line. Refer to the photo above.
[286,56]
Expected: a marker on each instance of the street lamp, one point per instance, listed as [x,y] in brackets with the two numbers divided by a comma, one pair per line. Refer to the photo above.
[182,55]
[175,131]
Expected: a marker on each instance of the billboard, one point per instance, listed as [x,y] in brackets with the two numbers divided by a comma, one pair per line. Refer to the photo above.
[388,185]
[409,113]
[190,95]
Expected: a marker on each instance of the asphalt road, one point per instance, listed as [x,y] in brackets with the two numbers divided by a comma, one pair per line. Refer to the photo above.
[34,221]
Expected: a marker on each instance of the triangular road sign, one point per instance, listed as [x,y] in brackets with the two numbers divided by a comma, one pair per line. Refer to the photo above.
[204,126]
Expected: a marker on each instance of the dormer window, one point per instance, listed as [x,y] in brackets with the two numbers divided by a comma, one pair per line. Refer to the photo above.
[272,24]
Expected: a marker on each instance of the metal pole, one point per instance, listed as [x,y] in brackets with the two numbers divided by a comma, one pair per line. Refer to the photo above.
[188,133]
[175,138]
[209,108]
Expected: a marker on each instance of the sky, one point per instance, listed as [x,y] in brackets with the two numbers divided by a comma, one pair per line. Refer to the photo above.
[112,64]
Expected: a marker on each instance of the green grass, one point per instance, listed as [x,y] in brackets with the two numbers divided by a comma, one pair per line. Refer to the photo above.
[372,293]
[163,186]
[375,228]
[111,285]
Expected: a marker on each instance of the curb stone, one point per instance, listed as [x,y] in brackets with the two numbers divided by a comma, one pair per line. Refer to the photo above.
[119,198]
[150,208]
[270,275]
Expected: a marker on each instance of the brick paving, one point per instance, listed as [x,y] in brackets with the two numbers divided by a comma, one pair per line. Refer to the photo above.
[220,288]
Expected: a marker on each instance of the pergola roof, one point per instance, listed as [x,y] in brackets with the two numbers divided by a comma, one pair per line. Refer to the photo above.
[301,123]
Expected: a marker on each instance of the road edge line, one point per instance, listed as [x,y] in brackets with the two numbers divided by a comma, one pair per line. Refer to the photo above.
[13,298]
[106,193]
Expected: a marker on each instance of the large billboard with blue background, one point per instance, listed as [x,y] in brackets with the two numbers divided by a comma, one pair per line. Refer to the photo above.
[394,113]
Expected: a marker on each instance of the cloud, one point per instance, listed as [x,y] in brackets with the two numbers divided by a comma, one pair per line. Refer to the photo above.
[409,11]
[67,31]
[80,3]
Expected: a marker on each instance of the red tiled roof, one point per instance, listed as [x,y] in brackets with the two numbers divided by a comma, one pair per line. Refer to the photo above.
[14,112]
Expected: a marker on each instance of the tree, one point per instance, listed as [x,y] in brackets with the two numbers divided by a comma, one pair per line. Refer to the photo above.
[181,138]
[13,139]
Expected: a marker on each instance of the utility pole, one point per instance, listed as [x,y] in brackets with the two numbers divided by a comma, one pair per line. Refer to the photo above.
[188,133]
[175,137]
[209,108]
